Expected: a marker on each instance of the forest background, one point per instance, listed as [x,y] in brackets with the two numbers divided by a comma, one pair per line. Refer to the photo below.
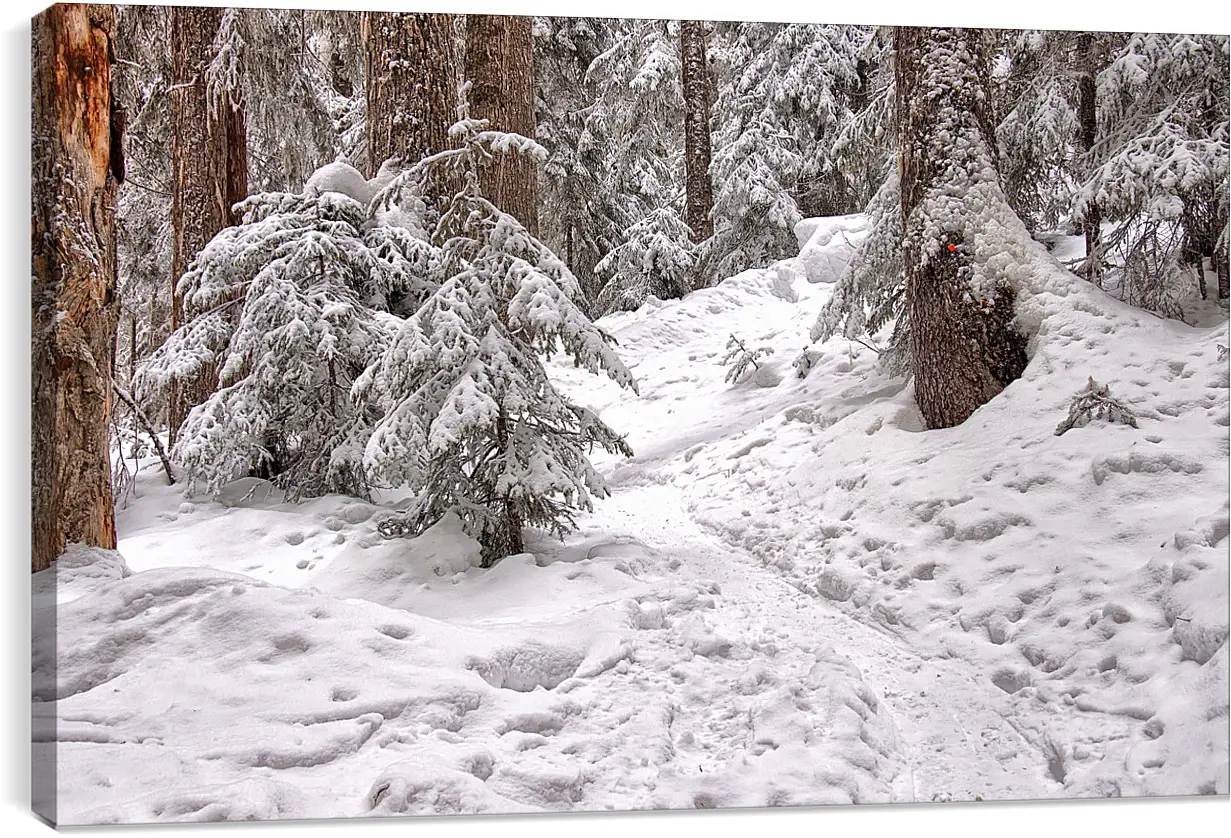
[1142,818]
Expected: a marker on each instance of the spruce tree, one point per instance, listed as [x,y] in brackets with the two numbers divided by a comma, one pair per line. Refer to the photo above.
[1158,168]
[579,217]
[656,259]
[698,92]
[500,77]
[785,90]
[471,420]
[291,305]
[209,157]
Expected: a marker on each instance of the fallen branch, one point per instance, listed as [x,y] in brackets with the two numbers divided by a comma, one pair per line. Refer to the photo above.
[144,421]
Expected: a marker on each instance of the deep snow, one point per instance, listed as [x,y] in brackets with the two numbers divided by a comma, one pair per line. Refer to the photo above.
[794,596]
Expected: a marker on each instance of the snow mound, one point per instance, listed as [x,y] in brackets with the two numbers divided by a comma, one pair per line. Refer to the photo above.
[342,178]
[826,245]
[79,570]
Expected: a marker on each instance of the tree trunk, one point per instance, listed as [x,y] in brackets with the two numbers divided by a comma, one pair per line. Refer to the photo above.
[500,69]
[503,535]
[74,307]
[1219,257]
[697,94]
[963,345]
[1087,116]
[411,85]
[209,171]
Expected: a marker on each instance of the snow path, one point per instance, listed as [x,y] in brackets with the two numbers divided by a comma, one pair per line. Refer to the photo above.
[792,597]
[952,729]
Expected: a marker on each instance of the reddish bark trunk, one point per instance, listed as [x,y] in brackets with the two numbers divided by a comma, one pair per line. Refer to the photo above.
[209,171]
[74,307]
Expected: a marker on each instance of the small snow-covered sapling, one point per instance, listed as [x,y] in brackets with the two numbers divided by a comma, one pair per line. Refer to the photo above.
[1095,402]
[739,357]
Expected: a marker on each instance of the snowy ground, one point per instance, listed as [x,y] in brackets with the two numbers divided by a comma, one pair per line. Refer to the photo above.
[794,596]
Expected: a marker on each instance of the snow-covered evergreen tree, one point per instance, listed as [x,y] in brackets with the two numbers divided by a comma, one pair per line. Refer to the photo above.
[635,126]
[579,218]
[656,259]
[1036,77]
[784,91]
[281,61]
[865,145]
[1160,163]
[140,80]
[638,115]
[471,420]
[289,307]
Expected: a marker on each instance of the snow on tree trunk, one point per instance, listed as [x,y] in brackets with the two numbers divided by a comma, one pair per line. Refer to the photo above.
[209,171]
[500,69]
[964,347]
[74,311]
[697,94]
[411,86]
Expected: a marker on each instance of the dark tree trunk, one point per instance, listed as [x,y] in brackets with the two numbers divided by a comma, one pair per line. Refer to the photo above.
[411,85]
[963,345]
[503,536]
[697,94]
[500,69]
[209,171]
[1219,256]
[74,307]
[1087,115]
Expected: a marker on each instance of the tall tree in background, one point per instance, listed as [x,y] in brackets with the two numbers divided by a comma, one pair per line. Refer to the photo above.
[209,163]
[579,219]
[698,91]
[75,161]
[500,69]
[1087,119]
[963,344]
[411,81]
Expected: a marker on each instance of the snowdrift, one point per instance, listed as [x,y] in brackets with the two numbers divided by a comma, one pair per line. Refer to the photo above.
[794,596]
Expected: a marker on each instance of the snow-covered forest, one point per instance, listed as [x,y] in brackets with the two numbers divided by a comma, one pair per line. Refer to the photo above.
[459,413]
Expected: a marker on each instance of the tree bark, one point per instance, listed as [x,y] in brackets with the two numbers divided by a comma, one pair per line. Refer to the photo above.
[503,535]
[500,69]
[209,171]
[963,345]
[1219,257]
[74,307]
[697,94]
[411,85]
[1087,115]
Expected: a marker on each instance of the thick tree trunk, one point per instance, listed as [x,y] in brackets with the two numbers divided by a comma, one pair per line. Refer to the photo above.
[1087,116]
[963,345]
[74,308]
[411,85]
[209,171]
[697,95]
[500,69]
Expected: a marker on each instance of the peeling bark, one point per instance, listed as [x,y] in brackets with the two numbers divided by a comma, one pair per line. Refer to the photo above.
[74,306]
